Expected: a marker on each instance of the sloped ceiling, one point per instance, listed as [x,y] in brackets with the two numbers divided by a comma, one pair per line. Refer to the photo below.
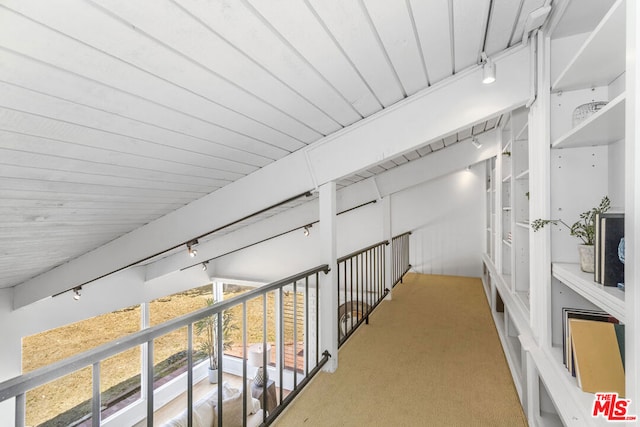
[116,112]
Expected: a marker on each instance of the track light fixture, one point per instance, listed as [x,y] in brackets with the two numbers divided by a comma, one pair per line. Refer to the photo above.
[204,265]
[76,293]
[192,252]
[306,229]
[476,143]
[488,70]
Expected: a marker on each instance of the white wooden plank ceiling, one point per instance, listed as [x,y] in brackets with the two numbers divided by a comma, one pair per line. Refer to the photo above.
[116,112]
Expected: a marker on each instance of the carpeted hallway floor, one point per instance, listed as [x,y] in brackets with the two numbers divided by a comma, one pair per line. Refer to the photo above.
[430,357]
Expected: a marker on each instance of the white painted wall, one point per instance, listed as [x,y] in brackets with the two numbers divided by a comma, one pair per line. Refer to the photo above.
[446,218]
[445,215]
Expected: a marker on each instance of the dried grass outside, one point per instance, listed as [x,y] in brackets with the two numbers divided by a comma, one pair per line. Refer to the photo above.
[46,402]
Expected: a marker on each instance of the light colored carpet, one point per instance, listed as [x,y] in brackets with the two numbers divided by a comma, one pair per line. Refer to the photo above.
[429,357]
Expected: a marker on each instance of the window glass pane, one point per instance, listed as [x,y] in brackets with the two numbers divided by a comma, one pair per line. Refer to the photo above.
[69,397]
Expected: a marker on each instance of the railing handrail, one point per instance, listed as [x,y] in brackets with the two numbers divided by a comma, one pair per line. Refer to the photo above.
[25,382]
[361,251]
[408,233]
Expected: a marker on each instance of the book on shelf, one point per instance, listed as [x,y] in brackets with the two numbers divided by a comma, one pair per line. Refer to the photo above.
[597,358]
[596,249]
[611,233]
[620,337]
[583,314]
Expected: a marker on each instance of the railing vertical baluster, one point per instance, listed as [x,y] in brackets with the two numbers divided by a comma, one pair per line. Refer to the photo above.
[372,285]
[393,273]
[363,279]
[358,278]
[372,269]
[219,361]
[150,391]
[381,269]
[317,315]
[244,364]
[264,357]
[370,278]
[384,268]
[350,307]
[398,262]
[295,337]
[366,280]
[281,343]
[338,302]
[351,288]
[95,401]
[306,326]
[190,375]
[400,259]
[21,409]
[377,270]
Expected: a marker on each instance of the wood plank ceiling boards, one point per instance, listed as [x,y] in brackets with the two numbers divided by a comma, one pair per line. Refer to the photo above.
[115,113]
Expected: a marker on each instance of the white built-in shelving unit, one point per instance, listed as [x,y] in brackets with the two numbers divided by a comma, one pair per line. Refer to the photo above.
[551,167]
[507,266]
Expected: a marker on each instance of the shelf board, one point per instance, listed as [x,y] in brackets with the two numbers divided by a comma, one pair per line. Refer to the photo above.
[506,208]
[523,297]
[523,225]
[507,146]
[584,400]
[608,298]
[522,176]
[573,404]
[507,178]
[603,128]
[601,59]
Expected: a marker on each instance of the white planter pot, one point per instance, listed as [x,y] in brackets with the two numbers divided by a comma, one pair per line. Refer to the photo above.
[255,357]
[586,258]
[213,376]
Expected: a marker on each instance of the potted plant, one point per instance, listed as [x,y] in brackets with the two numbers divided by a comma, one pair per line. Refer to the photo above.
[584,229]
[208,327]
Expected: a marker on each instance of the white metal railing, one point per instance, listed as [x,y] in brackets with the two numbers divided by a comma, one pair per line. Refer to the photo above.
[306,283]
[400,255]
[361,287]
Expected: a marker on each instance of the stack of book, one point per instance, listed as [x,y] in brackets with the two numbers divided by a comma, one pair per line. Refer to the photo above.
[593,350]
[609,249]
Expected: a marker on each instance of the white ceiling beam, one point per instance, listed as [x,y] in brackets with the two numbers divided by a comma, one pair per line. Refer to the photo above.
[435,112]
